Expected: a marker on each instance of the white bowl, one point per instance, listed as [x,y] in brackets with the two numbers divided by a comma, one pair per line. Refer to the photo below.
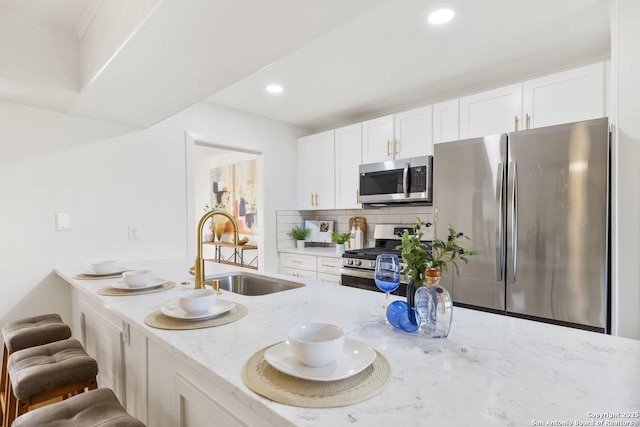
[104,267]
[316,344]
[136,278]
[197,301]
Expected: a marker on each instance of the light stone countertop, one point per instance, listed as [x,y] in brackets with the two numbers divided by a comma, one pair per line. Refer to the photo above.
[492,370]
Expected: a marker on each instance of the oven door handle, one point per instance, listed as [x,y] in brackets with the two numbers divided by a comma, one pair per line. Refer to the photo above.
[364,274]
[357,273]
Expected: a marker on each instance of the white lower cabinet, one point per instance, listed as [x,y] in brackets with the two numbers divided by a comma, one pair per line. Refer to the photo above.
[158,386]
[119,349]
[180,395]
[323,268]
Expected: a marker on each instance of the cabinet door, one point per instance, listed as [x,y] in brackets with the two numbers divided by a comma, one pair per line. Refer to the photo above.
[565,97]
[377,140]
[413,133]
[348,146]
[298,274]
[120,352]
[445,121]
[306,172]
[102,340]
[325,174]
[491,112]
[302,262]
[329,279]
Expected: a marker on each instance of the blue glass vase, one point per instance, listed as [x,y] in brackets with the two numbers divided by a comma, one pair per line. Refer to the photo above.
[434,305]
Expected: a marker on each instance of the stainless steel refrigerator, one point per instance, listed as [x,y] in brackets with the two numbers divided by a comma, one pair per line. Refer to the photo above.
[536,206]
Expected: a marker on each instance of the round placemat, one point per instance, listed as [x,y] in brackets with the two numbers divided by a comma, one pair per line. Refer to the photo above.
[267,381]
[83,276]
[160,321]
[114,292]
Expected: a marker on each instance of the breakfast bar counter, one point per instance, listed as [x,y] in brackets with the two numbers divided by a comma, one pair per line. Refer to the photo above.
[492,370]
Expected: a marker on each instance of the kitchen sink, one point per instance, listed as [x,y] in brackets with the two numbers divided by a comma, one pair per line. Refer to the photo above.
[253,284]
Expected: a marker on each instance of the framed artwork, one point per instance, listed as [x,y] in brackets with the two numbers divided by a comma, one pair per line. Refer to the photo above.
[234,189]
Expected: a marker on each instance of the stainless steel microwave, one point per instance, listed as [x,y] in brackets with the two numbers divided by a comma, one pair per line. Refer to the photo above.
[407,181]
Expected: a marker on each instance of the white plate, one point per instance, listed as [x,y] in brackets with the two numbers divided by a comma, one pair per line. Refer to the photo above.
[120,270]
[174,310]
[353,359]
[153,283]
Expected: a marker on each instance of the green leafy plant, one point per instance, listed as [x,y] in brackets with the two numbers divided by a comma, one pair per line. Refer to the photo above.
[299,233]
[417,256]
[340,238]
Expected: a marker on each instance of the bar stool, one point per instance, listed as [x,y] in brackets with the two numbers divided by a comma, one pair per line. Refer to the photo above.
[38,374]
[91,409]
[24,333]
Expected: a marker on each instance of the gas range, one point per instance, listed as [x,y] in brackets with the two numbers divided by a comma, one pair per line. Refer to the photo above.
[358,266]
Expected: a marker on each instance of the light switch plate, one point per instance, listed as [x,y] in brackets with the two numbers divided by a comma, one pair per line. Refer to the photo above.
[63,221]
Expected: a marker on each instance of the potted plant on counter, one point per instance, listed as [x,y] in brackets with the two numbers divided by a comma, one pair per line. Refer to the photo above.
[424,268]
[340,239]
[299,234]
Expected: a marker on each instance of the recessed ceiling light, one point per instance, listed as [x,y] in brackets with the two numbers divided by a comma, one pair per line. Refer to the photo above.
[274,88]
[440,16]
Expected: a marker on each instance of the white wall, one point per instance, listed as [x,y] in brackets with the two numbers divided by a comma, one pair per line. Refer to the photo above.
[625,119]
[134,179]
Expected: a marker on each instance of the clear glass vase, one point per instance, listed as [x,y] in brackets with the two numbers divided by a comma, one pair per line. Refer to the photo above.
[434,305]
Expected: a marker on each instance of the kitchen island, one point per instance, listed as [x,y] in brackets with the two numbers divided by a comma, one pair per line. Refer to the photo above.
[492,370]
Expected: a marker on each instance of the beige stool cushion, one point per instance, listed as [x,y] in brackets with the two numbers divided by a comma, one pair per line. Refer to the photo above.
[33,331]
[36,370]
[91,409]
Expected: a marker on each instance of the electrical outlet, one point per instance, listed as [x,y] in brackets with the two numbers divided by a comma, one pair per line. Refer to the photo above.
[134,232]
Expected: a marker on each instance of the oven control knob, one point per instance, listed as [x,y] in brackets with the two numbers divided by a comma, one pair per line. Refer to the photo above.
[372,264]
[349,261]
[357,262]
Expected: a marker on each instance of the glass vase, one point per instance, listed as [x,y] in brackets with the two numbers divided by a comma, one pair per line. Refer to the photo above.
[434,305]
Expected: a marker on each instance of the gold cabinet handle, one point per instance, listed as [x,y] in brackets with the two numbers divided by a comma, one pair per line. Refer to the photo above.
[357,196]
[311,199]
[316,199]
[396,146]
[515,123]
[388,148]
[295,261]
[329,265]
[528,120]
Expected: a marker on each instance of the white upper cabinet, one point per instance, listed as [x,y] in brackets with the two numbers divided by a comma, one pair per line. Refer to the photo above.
[316,171]
[495,111]
[348,147]
[413,133]
[445,121]
[399,136]
[377,139]
[565,97]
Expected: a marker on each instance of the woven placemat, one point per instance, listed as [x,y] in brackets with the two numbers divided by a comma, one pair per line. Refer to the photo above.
[267,381]
[83,276]
[160,321]
[114,292]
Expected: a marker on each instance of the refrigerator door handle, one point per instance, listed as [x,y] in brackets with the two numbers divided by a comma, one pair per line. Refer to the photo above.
[499,224]
[405,180]
[514,219]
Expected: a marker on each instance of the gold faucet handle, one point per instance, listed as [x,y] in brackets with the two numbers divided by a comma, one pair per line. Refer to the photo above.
[215,284]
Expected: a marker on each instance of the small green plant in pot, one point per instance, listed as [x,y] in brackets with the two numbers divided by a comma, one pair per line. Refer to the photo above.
[340,239]
[299,234]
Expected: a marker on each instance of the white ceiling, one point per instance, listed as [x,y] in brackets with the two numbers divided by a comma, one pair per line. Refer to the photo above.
[390,58]
[64,16]
[338,61]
